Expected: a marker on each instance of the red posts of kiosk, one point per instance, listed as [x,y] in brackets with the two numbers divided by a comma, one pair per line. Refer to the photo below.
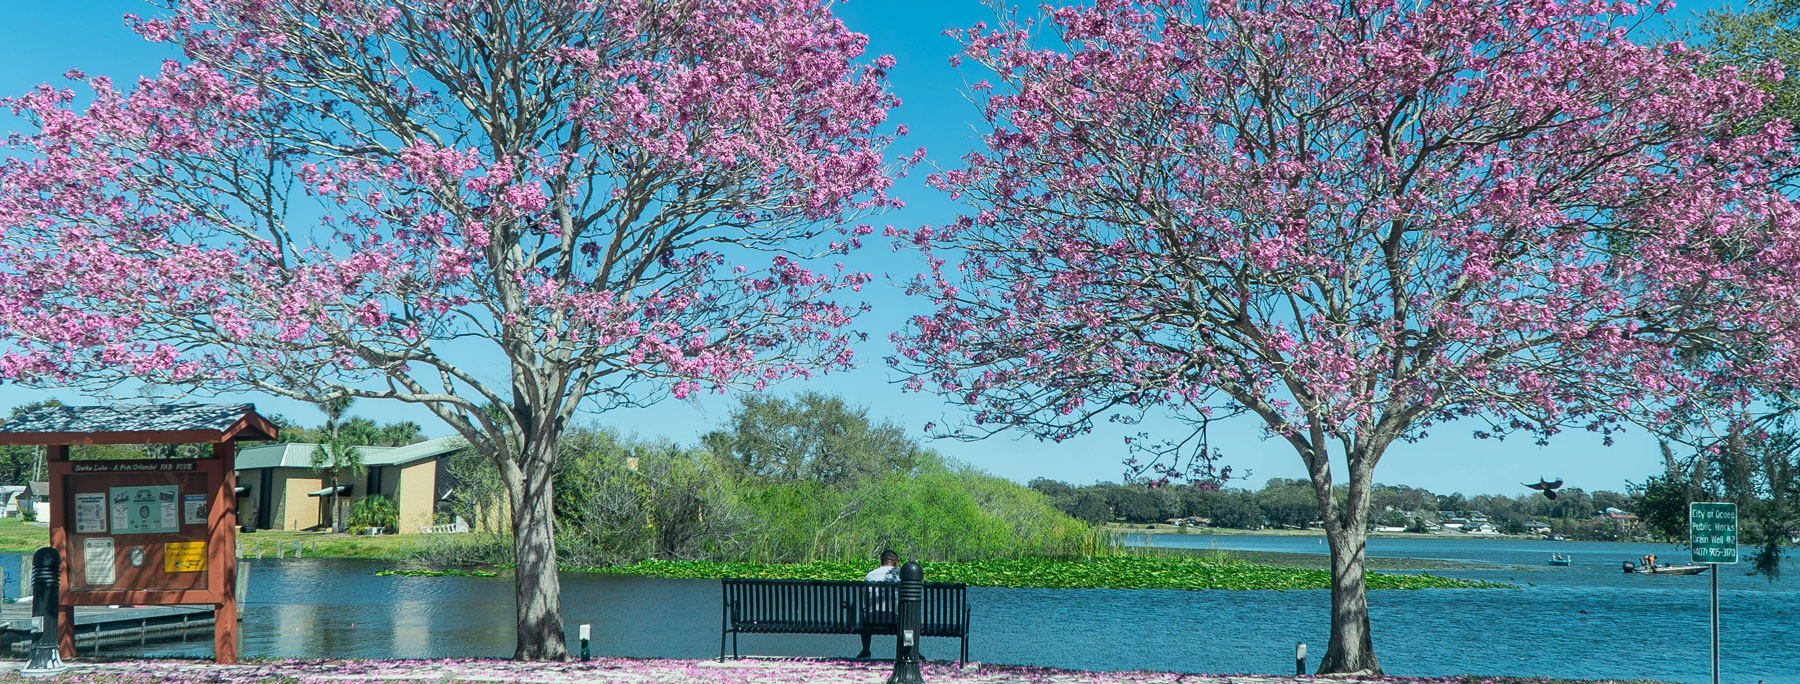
[149,531]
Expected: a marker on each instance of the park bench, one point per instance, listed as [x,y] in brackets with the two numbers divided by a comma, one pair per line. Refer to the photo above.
[764,606]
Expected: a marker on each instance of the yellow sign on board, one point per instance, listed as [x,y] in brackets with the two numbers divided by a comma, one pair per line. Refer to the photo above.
[184,557]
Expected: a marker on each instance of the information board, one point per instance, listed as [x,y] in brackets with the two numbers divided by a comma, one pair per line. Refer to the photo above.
[1713,532]
[193,509]
[90,513]
[145,510]
[184,557]
[98,560]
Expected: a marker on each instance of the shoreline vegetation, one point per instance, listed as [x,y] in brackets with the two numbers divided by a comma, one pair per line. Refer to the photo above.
[1131,568]
[1181,569]
[1215,571]
[415,556]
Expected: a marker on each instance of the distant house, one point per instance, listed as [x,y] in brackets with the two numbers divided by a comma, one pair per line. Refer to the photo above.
[1477,516]
[9,500]
[1625,523]
[278,489]
[37,496]
[1456,523]
[1481,528]
[1536,527]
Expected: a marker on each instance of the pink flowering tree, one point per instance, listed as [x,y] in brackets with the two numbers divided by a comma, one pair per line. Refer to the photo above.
[502,212]
[1350,220]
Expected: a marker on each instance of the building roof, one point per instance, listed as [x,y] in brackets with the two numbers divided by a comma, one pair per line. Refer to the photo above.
[299,454]
[276,456]
[137,424]
[40,489]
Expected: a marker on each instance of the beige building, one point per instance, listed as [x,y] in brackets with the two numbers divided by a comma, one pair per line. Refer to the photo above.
[279,490]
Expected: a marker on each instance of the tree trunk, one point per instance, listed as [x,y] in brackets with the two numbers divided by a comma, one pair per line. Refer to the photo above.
[1351,648]
[537,591]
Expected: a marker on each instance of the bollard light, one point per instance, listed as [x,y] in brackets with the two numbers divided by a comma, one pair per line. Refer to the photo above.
[1300,658]
[908,630]
[46,567]
[584,643]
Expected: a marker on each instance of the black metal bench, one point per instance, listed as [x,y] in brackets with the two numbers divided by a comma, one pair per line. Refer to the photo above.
[763,606]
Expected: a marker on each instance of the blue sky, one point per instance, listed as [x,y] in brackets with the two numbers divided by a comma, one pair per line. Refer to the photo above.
[39,41]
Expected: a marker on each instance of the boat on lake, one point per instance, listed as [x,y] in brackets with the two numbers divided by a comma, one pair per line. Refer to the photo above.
[1560,559]
[1665,569]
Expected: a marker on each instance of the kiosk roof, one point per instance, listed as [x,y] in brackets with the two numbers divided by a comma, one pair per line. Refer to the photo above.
[137,424]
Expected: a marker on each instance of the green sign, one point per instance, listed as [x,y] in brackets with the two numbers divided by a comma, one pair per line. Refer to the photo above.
[144,510]
[1713,532]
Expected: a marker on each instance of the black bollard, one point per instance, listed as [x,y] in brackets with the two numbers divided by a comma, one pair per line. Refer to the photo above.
[907,630]
[1300,658]
[584,643]
[46,568]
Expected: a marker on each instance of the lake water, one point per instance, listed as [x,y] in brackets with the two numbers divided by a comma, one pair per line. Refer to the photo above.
[1589,620]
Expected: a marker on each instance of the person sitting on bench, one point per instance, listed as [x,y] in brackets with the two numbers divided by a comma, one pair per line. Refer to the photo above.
[879,609]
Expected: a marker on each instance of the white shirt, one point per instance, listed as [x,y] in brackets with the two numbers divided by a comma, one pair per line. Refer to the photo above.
[885,573]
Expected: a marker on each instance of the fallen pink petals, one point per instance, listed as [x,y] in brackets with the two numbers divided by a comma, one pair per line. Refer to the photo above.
[634,671]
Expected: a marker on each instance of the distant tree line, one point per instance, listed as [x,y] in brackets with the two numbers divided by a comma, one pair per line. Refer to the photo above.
[1291,504]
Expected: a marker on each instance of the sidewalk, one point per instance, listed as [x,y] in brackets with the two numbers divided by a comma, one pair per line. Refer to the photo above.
[599,671]
[625,671]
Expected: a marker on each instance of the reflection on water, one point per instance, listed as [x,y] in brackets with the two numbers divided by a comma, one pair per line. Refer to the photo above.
[1589,620]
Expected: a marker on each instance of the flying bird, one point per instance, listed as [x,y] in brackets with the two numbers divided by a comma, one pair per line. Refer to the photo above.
[1548,488]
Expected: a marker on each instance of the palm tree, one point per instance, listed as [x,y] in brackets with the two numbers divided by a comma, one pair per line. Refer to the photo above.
[338,456]
[335,459]
[401,434]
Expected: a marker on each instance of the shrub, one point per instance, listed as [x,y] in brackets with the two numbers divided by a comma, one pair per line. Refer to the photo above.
[374,510]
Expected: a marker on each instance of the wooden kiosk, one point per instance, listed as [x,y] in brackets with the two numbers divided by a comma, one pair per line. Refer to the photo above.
[144,531]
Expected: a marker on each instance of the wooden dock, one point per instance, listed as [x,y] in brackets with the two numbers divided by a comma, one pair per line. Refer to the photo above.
[97,626]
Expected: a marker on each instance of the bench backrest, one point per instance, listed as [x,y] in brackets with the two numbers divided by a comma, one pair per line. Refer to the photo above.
[838,605]
[825,605]
[946,609]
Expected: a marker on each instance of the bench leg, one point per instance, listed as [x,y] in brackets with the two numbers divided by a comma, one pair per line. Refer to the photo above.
[721,645]
[965,651]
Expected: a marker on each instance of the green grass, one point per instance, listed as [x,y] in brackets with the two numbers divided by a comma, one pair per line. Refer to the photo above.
[1156,572]
[333,545]
[18,537]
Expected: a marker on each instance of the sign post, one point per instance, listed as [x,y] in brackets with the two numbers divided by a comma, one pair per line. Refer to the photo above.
[1712,539]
